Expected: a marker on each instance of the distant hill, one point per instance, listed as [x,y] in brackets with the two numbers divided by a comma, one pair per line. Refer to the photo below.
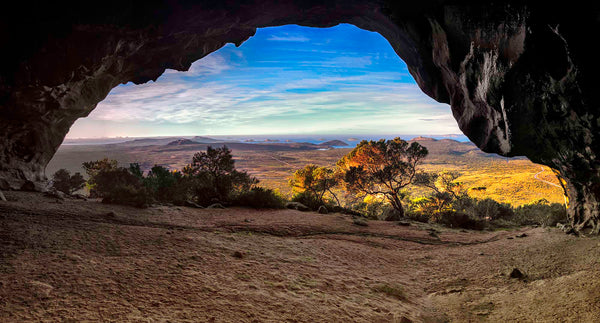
[148,142]
[181,142]
[333,143]
[449,148]
[205,140]
[171,141]
[420,138]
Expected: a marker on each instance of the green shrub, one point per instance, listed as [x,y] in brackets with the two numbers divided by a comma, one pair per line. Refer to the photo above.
[213,177]
[93,168]
[166,185]
[540,214]
[259,198]
[117,185]
[453,219]
[489,209]
[416,216]
[376,210]
[63,181]
[310,200]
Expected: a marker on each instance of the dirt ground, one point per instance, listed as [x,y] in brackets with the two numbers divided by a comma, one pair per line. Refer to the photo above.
[76,260]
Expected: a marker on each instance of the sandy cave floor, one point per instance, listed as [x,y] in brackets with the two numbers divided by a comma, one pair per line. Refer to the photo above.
[72,261]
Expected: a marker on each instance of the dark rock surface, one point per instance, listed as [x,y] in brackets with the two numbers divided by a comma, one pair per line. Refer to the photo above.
[297,206]
[520,75]
[516,273]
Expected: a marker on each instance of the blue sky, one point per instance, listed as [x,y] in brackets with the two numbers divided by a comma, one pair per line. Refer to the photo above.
[284,80]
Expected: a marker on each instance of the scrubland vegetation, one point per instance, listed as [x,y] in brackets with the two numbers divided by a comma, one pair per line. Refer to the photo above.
[377,180]
[173,261]
[210,179]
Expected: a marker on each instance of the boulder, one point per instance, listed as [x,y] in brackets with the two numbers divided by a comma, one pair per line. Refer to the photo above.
[29,186]
[54,193]
[297,206]
[322,210]
[517,274]
[360,221]
[189,203]
[216,206]
[39,289]
[80,196]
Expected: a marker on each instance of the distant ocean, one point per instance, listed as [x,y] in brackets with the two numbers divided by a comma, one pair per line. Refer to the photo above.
[351,140]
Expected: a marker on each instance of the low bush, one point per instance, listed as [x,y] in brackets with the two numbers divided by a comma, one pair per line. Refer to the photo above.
[489,209]
[375,210]
[119,185]
[416,216]
[453,219]
[259,198]
[167,186]
[310,200]
[213,177]
[64,182]
[540,214]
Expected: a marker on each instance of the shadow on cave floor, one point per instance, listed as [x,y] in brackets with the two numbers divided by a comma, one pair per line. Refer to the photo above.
[74,260]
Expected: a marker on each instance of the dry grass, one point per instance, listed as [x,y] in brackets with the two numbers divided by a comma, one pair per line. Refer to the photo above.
[71,262]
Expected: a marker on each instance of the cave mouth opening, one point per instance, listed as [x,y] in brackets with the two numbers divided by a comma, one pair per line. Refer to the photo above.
[286,83]
[285,80]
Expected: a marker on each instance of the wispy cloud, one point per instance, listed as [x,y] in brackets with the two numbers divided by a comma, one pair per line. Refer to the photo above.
[229,108]
[209,65]
[299,87]
[289,38]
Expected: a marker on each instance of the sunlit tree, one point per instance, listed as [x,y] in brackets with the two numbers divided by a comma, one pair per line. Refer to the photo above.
[384,167]
[317,181]
[445,190]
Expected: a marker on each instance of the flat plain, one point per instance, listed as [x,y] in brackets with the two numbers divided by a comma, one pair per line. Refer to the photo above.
[516,181]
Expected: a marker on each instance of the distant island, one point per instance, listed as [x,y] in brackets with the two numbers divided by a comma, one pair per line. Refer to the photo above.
[181,142]
[334,143]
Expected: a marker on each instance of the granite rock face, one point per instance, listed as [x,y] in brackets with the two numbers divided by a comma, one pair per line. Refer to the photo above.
[520,76]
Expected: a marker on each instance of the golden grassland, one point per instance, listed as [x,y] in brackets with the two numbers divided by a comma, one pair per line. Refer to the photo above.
[509,181]
[486,176]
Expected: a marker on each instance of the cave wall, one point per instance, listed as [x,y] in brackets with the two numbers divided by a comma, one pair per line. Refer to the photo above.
[519,75]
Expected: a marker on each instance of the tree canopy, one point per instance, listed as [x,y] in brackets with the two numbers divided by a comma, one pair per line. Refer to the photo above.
[215,176]
[384,167]
[316,180]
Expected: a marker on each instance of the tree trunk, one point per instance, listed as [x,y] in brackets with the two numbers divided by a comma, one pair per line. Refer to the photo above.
[399,210]
[583,209]
[581,187]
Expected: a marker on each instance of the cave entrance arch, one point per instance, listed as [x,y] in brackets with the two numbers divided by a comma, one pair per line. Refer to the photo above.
[519,76]
[286,80]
